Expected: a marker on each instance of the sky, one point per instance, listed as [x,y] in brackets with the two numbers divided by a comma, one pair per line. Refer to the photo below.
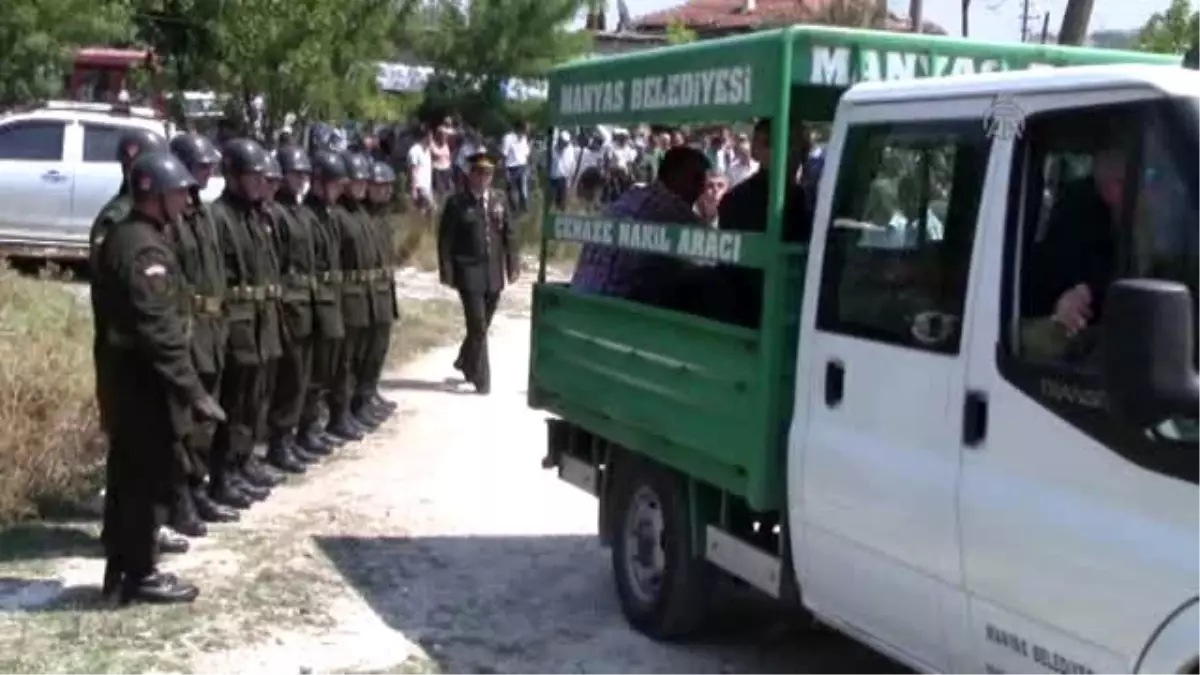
[990,19]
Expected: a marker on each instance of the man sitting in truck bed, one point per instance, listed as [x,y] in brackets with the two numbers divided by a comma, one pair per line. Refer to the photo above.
[648,278]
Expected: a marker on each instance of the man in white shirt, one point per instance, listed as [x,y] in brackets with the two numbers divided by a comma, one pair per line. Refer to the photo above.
[742,165]
[515,147]
[420,173]
[564,162]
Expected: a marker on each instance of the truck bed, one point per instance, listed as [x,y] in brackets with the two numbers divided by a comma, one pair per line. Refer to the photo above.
[703,397]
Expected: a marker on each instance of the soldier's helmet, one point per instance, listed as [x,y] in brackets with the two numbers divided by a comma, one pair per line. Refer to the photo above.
[358,167]
[157,173]
[136,142]
[243,156]
[195,150]
[327,166]
[382,174]
[273,172]
[293,159]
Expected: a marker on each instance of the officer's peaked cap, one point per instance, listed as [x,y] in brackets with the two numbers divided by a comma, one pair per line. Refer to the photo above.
[481,160]
[358,167]
[159,172]
[136,141]
[382,173]
[292,158]
[195,150]
[245,155]
[328,165]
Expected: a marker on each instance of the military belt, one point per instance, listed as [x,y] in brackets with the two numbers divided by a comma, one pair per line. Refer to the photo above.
[306,281]
[207,305]
[332,277]
[272,292]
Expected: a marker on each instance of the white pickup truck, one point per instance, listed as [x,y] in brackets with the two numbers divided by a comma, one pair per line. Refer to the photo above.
[970,444]
[57,170]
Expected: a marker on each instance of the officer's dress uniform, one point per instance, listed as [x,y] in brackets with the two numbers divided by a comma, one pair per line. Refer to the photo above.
[329,329]
[253,329]
[478,250]
[295,233]
[149,384]
[358,262]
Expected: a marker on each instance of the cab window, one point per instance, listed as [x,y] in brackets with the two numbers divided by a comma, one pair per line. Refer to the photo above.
[898,250]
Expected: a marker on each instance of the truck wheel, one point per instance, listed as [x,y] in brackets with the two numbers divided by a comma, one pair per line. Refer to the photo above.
[663,588]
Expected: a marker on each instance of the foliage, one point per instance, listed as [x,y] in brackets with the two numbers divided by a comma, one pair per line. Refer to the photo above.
[40,36]
[855,13]
[678,33]
[1173,31]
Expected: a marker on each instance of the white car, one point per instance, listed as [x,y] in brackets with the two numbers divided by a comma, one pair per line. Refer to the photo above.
[57,170]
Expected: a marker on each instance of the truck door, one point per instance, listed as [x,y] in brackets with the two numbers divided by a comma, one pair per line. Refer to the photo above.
[35,179]
[884,369]
[97,174]
[1079,533]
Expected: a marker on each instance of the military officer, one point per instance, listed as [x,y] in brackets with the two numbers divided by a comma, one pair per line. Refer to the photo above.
[197,247]
[478,251]
[273,281]
[386,310]
[328,181]
[358,255]
[296,229]
[151,393]
[252,322]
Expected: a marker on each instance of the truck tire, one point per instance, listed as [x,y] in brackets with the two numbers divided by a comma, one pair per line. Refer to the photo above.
[663,588]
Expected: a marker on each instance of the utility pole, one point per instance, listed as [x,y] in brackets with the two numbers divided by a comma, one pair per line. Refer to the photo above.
[1025,21]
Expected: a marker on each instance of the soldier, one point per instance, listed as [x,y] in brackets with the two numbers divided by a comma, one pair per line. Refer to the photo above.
[329,174]
[386,311]
[358,262]
[295,231]
[252,323]
[151,393]
[132,144]
[197,248]
[478,250]
[273,283]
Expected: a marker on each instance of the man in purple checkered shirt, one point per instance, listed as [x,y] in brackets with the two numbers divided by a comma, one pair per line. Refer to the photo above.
[636,275]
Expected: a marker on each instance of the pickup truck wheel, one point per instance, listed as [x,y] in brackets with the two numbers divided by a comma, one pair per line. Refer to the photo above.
[662,587]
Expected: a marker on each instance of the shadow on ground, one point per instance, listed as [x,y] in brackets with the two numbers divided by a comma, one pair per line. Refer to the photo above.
[546,604]
[40,541]
[449,385]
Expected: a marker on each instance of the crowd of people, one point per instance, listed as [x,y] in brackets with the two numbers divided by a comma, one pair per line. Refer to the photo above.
[262,318]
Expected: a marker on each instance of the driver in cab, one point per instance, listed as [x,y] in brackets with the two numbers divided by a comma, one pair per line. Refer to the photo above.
[1070,270]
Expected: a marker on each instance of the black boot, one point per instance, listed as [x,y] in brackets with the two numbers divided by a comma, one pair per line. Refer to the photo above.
[380,401]
[260,476]
[112,580]
[345,429]
[184,518]
[226,492]
[253,492]
[212,512]
[157,588]
[280,456]
[312,442]
[170,542]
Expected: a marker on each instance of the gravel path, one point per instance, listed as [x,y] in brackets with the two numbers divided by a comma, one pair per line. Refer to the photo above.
[463,555]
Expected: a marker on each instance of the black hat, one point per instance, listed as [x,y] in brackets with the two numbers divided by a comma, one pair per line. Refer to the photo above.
[137,141]
[195,150]
[245,155]
[327,166]
[358,167]
[293,159]
[382,174]
[155,173]
[273,172]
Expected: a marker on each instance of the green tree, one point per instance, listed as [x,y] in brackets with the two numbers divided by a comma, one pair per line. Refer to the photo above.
[678,33]
[1172,31]
[39,38]
[476,46]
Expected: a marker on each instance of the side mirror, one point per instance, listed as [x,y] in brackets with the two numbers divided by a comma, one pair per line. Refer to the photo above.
[1148,350]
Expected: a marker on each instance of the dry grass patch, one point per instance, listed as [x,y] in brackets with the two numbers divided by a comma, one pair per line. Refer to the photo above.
[51,447]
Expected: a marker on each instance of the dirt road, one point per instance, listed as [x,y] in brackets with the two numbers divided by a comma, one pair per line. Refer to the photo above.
[439,544]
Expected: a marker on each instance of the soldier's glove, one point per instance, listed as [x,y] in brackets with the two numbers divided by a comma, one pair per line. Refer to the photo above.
[208,408]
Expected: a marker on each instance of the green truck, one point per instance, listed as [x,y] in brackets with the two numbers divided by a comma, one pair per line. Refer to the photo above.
[856,467]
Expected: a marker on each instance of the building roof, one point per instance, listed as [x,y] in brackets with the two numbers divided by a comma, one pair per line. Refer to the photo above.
[733,15]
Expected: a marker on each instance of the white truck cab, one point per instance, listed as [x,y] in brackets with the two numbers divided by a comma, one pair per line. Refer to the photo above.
[963,493]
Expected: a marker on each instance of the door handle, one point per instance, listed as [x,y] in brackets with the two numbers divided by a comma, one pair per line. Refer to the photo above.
[975,419]
[835,383]
[53,176]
